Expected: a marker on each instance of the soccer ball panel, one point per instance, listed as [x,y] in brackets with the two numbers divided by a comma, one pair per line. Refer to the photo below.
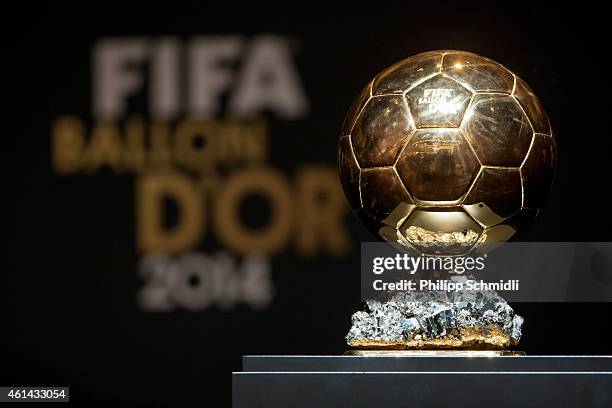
[538,171]
[498,130]
[349,172]
[355,108]
[437,165]
[478,73]
[495,195]
[382,192]
[381,131]
[532,106]
[498,233]
[510,227]
[392,236]
[438,102]
[371,223]
[401,76]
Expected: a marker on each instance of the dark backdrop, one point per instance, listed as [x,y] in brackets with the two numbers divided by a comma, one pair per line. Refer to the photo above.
[71,317]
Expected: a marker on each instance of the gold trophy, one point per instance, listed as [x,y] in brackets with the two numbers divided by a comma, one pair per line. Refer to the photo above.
[441,153]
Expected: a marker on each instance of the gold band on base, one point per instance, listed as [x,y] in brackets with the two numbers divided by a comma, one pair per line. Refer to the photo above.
[433,353]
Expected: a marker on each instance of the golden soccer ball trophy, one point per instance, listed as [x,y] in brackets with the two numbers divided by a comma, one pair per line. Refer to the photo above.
[440,153]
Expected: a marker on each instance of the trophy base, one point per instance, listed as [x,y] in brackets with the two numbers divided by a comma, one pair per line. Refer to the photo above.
[444,378]
[434,353]
[436,321]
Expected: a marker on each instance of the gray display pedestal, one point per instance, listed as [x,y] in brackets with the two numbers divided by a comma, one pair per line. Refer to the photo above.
[423,381]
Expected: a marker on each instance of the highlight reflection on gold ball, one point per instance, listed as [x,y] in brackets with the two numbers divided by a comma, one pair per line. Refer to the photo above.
[446,147]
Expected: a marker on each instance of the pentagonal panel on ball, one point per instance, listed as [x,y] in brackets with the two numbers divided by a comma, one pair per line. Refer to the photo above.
[478,73]
[498,130]
[382,193]
[382,129]
[438,102]
[538,171]
[495,195]
[399,77]
[437,165]
[349,172]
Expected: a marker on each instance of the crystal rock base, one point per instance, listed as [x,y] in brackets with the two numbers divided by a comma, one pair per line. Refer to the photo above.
[436,320]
